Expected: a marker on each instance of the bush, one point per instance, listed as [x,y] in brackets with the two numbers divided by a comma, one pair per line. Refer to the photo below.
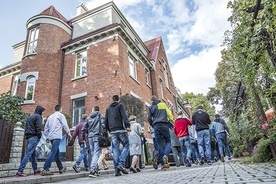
[11,108]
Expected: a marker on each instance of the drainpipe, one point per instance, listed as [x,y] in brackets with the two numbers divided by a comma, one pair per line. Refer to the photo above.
[61,76]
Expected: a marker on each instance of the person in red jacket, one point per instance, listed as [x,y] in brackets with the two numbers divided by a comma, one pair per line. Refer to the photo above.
[181,129]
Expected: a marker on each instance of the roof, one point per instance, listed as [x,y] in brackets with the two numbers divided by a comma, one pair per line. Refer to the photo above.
[51,11]
[153,46]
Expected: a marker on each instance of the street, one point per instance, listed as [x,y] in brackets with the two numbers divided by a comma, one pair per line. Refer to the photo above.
[229,172]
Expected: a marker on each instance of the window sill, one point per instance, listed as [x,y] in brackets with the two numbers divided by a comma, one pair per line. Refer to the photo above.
[79,77]
[134,79]
[27,55]
[29,102]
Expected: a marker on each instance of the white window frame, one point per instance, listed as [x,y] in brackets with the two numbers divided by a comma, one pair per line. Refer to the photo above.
[81,64]
[77,111]
[161,87]
[15,85]
[32,42]
[30,88]
[132,68]
[147,77]
[170,106]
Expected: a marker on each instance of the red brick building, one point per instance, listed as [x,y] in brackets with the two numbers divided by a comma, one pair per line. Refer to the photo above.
[84,61]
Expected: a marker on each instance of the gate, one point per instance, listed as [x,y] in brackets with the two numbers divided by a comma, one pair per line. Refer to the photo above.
[6,134]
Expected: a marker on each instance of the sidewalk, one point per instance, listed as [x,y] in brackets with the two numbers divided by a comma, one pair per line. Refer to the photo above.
[53,178]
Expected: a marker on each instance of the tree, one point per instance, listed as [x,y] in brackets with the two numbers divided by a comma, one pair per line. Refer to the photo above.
[11,109]
[134,106]
[199,99]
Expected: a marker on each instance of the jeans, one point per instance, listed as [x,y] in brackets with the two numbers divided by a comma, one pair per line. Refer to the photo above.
[203,140]
[30,153]
[185,145]
[223,142]
[95,151]
[162,134]
[83,156]
[195,153]
[54,154]
[177,155]
[119,155]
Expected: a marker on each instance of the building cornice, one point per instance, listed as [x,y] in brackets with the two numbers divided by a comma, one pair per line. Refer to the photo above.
[10,69]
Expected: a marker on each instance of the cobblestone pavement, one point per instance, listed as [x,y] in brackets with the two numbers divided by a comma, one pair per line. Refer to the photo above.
[229,172]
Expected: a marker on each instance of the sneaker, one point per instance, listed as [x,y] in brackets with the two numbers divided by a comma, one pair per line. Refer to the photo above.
[166,163]
[209,162]
[121,168]
[163,168]
[196,162]
[133,170]
[97,173]
[21,174]
[201,162]
[138,170]
[62,170]
[155,163]
[222,158]
[229,158]
[76,168]
[86,169]
[37,172]
[46,173]
[188,163]
[118,172]
[93,174]
[106,168]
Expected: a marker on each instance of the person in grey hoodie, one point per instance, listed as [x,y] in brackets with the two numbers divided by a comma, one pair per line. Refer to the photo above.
[94,127]
[53,133]
[220,128]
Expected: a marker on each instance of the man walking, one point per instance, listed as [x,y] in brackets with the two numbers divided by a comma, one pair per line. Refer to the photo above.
[83,148]
[202,121]
[33,135]
[53,133]
[220,128]
[95,127]
[158,117]
[117,124]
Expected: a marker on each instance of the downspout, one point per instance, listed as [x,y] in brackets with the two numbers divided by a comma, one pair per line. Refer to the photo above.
[61,76]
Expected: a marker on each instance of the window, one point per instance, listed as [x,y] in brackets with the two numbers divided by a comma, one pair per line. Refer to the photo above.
[132,68]
[170,106]
[78,110]
[161,87]
[14,85]
[33,36]
[165,72]
[81,64]
[29,95]
[147,77]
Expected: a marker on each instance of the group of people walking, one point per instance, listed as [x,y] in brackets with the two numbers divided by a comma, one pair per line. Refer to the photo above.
[125,135]
[115,123]
[189,139]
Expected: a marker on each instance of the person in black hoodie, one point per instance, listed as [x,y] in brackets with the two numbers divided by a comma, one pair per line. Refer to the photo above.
[202,121]
[32,134]
[117,123]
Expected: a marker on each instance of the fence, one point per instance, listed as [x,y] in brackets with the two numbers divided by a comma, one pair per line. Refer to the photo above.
[6,129]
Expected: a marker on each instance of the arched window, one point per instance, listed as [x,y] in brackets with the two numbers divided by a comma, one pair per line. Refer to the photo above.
[29,95]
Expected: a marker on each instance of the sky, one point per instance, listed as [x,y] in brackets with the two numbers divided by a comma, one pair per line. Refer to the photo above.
[192,32]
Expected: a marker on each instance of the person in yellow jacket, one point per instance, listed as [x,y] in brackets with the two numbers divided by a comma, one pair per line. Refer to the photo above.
[161,119]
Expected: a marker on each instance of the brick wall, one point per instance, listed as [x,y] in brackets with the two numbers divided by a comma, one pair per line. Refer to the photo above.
[6,84]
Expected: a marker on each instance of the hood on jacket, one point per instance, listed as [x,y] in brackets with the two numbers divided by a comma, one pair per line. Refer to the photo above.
[39,109]
[217,120]
[155,102]
[113,104]
[94,114]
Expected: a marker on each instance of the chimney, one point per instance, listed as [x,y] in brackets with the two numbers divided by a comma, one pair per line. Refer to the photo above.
[81,9]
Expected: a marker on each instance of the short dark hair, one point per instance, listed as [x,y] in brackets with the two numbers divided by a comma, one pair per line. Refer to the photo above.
[115,98]
[153,98]
[200,107]
[57,107]
[96,108]
[217,116]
